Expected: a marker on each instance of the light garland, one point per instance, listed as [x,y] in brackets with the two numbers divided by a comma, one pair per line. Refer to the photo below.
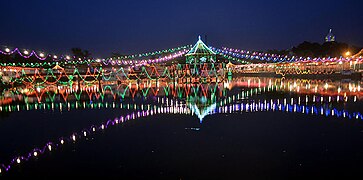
[147,72]
[141,55]
[253,55]
[124,60]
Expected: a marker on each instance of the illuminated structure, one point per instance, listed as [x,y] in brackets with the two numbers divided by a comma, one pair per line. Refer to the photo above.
[330,37]
[201,64]
[200,53]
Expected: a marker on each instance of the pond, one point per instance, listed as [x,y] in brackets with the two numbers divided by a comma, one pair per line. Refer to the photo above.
[247,127]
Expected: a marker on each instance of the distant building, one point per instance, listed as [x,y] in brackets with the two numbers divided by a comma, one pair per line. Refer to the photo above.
[330,37]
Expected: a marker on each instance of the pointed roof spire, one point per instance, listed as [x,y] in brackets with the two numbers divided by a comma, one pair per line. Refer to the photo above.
[200,48]
[330,36]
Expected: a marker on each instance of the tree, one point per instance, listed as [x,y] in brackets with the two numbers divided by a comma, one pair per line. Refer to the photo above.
[116,55]
[78,53]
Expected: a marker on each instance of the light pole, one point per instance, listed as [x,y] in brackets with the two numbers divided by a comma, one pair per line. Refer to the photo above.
[347,54]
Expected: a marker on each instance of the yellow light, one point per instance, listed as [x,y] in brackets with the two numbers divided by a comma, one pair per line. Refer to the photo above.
[347,53]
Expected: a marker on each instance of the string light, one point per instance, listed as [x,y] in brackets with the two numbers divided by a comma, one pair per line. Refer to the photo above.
[125,60]
[275,58]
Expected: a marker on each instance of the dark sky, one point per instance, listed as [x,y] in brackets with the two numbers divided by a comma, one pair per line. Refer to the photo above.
[135,26]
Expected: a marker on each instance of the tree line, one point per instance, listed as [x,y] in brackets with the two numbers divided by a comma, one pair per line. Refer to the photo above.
[310,49]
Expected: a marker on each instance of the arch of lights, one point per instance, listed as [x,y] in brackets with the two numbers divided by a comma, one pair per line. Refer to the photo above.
[52,76]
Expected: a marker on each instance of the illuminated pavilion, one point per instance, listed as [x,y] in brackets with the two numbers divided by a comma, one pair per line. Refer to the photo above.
[200,53]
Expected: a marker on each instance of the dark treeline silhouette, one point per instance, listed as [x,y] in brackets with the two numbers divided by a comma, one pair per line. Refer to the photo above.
[16,58]
[79,53]
[117,55]
[327,49]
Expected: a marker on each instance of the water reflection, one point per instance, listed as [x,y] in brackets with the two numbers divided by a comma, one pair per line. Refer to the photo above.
[202,99]
[148,98]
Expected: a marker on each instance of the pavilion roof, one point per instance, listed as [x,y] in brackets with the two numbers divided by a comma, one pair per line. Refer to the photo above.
[200,48]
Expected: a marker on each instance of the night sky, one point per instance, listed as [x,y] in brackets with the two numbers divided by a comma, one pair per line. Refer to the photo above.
[132,26]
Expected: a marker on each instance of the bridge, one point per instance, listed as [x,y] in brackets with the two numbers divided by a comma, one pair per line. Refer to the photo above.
[185,64]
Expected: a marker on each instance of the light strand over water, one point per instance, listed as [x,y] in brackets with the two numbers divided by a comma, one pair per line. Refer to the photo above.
[260,106]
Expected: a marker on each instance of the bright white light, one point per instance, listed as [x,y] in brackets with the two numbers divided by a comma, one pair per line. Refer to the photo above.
[62,141]
[55,56]
[41,55]
[326,85]
[35,153]
[68,58]
[50,147]
[26,52]
[7,50]
[74,137]
[84,133]
[18,160]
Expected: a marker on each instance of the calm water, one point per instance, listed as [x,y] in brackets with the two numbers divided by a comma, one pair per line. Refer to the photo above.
[254,128]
